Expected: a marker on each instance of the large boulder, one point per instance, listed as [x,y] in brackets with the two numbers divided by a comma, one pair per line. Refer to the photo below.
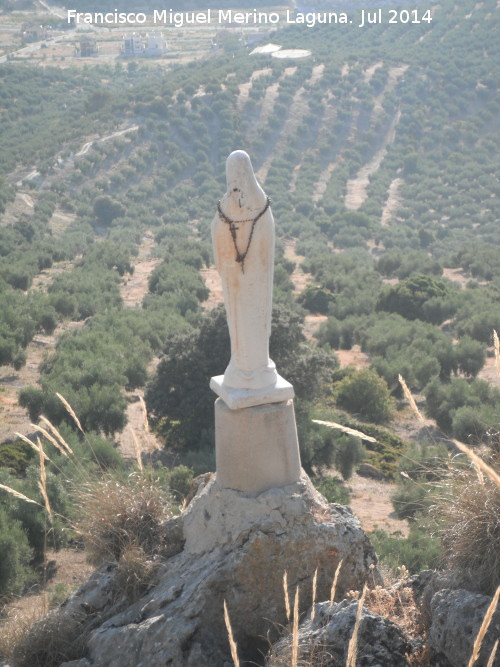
[325,639]
[231,548]
[456,616]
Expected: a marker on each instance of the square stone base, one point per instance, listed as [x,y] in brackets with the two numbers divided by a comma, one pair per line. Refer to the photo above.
[247,398]
[256,448]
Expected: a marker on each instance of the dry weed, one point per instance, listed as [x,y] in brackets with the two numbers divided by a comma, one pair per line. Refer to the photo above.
[51,641]
[352,650]
[484,628]
[399,606]
[135,572]
[287,597]
[295,629]
[468,516]
[232,643]
[120,515]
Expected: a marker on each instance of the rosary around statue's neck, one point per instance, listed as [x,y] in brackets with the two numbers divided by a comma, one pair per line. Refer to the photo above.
[241,256]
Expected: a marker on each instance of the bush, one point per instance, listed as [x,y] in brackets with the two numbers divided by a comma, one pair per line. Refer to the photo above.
[419,551]
[409,499]
[15,556]
[365,393]
[117,516]
[332,489]
[467,512]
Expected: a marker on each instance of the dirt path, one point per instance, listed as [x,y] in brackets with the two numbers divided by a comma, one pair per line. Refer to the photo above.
[356,188]
[135,287]
[323,181]
[213,283]
[133,290]
[395,73]
[327,121]
[393,201]
[246,87]
[370,71]
[489,372]
[353,357]
[298,109]
[299,278]
[371,503]
[12,416]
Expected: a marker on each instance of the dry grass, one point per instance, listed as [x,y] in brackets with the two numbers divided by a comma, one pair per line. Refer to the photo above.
[135,572]
[314,592]
[295,629]
[118,515]
[491,659]
[468,517]
[17,624]
[484,628]
[50,641]
[18,495]
[232,643]
[352,650]
[409,397]
[334,583]
[398,605]
[286,595]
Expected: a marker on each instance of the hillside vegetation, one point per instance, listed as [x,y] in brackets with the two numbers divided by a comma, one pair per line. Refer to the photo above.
[380,155]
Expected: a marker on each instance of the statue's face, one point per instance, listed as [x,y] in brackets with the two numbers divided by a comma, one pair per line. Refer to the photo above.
[242,186]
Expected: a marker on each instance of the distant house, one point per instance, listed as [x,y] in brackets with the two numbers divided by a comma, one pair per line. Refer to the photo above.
[33,33]
[132,45]
[87,48]
[155,44]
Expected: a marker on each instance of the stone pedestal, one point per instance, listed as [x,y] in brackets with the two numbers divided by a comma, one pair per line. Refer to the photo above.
[256,448]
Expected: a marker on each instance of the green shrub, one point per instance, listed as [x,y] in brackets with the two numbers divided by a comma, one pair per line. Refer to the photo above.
[16,456]
[332,489]
[15,556]
[366,394]
[410,498]
[180,479]
[419,551]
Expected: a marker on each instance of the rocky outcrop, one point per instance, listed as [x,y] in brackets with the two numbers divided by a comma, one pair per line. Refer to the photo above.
[231,548]
[456,616]
[325,640]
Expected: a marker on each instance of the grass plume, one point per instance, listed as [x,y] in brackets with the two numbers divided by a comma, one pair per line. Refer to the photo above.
[51,439]
[57,434]
[484,628]
[491,659]
[70,411]
[287,597]
[25,439]
[334,583]
[314,590]
[295,629]
[478,462]
[410,399]
[18,495]
[42,484]
[232,643]
[352,650]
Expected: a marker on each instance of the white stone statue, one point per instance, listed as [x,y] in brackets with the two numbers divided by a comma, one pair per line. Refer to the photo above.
[243,242]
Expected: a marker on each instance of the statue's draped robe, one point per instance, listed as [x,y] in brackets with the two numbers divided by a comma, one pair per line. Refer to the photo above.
[247,286]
